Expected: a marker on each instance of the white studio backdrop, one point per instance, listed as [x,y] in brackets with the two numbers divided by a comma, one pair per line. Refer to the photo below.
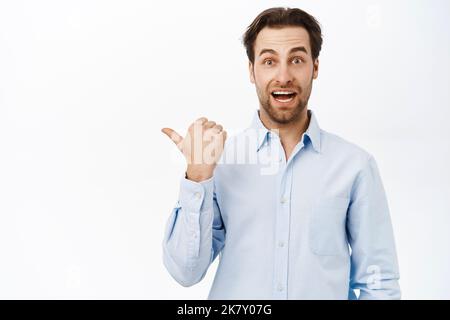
[87,180]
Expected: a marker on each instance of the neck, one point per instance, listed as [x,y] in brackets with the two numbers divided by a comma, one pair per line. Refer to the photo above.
[289,133]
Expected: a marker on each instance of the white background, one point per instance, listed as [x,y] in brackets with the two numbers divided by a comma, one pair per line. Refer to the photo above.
[87,180]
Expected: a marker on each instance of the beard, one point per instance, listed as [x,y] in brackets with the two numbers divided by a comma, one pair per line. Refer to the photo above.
[283,117]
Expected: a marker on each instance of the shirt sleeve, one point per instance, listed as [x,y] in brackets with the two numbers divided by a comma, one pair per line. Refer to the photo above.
[374,265]
[194,233]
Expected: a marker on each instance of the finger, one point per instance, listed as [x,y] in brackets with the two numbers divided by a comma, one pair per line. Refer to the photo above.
[201,120]
[213,134]
[173,135]
[209,124]
[223,137]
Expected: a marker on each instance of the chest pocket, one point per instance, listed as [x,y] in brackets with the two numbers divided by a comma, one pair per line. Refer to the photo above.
[327,235]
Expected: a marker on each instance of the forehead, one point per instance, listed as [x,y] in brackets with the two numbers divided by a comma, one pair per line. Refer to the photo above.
[281,39]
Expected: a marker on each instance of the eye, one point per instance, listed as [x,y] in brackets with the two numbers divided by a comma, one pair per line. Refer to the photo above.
[268,60]
[299,60]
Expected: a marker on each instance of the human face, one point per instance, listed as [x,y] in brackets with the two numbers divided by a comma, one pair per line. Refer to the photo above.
[283,62]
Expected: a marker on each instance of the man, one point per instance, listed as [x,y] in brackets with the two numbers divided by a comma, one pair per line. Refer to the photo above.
[315,227]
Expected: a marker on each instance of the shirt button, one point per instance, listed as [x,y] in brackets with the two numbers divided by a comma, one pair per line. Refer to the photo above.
[281,244]
[197,195]
[194,234]
[284,200]
[280,287]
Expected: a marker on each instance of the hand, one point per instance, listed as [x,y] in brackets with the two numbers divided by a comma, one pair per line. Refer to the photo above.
[202,147]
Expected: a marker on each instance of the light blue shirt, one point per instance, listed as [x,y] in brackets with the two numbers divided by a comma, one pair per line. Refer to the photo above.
[316,226]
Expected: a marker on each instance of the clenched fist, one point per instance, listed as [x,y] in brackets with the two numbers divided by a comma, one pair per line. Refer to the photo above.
[202,147]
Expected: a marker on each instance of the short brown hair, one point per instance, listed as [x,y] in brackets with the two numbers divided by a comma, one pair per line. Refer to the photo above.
[282,17]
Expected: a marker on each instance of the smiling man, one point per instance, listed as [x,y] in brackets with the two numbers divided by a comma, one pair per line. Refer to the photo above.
[317,227]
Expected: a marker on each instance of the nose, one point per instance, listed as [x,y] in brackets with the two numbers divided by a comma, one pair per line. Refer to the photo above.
[284,76]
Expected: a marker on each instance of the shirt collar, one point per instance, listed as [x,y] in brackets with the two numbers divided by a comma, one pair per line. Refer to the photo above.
[312,133]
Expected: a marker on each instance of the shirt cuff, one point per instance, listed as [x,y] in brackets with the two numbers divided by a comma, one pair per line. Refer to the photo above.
[196,196]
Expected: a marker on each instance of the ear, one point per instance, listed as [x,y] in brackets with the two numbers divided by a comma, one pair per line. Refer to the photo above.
[250,70]
[316,68]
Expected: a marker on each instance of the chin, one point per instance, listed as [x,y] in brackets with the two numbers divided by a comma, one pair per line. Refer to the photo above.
[281,116]
[284,115]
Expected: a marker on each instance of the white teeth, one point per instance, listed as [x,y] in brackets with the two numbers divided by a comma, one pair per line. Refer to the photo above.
[282,92]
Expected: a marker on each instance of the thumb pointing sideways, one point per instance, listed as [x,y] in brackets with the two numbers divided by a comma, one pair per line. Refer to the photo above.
[173,135]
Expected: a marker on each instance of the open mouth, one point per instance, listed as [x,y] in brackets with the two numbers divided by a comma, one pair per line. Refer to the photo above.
[283,96]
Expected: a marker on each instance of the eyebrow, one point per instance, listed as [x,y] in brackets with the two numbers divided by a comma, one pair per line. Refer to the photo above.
[302,49]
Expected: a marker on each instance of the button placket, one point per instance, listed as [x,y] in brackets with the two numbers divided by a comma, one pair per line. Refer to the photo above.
[282,230]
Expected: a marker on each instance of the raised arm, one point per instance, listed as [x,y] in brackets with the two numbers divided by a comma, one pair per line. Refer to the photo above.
[195,233]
